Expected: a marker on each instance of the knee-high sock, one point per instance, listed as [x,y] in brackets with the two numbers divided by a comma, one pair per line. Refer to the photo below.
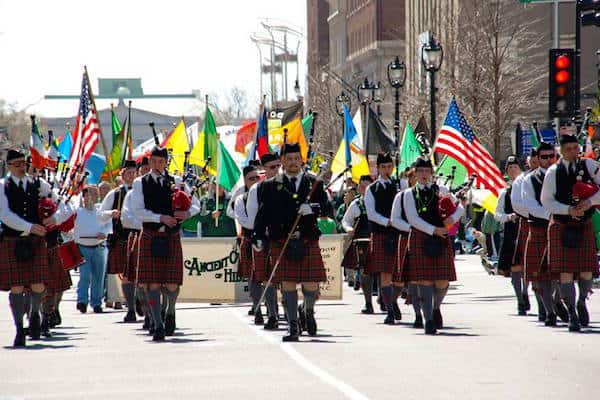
[426,295]
[49,304]
[367,287]
[255,293]
[36,301]
[413,290]
[141,294]
[155,307]
[538,296]
[397,292]
[172,296]
[516,278]
[525,287]
[585,286]
[129,292]
[388,298]
[271,300]
[165,298]
[438,296]
[545,289]
[291,305]
[568,292]
[17,306]
[310,298]
[556,291]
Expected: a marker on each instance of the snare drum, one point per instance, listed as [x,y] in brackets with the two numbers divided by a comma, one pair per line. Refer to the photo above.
[70,255]
[361,246]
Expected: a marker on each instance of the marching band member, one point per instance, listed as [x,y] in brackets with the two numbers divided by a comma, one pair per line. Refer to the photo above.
[160,254]
[571,245]
[535,260]
[356,223]
[117,242]
[379,198]
[302,263]
[430,254]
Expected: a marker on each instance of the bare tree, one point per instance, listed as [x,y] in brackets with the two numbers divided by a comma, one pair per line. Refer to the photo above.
[17,124]
[237,102]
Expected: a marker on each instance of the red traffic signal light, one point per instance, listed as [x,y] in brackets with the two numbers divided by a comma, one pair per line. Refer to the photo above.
[562,62]
[562,76]
[561,85]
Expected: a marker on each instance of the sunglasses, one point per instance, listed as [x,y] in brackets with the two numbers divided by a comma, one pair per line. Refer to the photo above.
[547,157]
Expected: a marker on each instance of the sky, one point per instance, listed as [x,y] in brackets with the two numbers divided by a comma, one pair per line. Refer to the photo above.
[175,46]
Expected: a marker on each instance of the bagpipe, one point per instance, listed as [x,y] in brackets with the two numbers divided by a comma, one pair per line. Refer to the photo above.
[447,206]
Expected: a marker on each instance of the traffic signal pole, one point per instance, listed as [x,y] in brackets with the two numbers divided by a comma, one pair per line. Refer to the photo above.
[577,105]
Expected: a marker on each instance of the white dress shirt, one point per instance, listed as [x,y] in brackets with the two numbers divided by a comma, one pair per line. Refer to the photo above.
[516,197]
[397,221]
[231,207]
[241,215]
[372,214]
[252,203]
[350,216]
[534,208]
[13,220]
[500,215]
[128,218]
[107,203]
[139,208]
[89,223]
[419,223]
[549,188]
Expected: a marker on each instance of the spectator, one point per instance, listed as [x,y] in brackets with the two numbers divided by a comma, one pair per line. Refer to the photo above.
[103,189]
[214,220]
[326,224]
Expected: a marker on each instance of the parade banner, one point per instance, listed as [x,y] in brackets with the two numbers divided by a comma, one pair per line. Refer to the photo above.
[210,270]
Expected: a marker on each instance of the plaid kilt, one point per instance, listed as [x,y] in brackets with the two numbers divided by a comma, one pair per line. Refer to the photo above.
[117,257]
[379,260]
[309,269]
[161,270]
[350,259]
[536,258]
[402,259]
[245,262]
[59,279]
[18,273]
[521,241]
[566,260]
[261,270]
[132,256]
[422,267]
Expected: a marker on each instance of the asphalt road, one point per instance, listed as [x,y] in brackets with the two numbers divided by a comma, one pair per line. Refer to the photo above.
[486,351]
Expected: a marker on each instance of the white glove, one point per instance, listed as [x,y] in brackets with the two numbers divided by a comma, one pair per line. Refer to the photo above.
[305,209]
[258,247]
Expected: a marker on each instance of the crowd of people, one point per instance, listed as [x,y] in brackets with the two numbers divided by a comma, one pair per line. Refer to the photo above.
[402,230]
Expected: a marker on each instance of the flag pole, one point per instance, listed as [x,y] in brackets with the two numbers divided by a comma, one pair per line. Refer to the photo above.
[104,148]
[217,174]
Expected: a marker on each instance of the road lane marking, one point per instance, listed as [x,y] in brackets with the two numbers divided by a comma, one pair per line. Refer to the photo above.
[303,362]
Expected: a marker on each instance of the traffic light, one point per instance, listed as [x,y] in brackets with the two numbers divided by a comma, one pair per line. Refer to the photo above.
[562,85]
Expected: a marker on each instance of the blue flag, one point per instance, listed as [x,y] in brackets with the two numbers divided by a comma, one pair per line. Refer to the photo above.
[64,147]
[95,165]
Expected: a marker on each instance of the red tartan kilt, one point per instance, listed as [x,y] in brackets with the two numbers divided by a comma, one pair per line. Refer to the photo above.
[535,260]
[379,260]
[422,267]
[519,255]
[19,273]
[132,255]
[402,259]
[59,279]
[309,269]
[245,262]
[351,258]
[566,260]
[117,258]
[260,270]
[163,270]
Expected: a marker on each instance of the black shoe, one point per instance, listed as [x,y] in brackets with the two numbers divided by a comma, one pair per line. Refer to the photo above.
[350,283]
[130,316]
[574,324]
[368,309]
[35,329]
[293,334]
[258,318]
[526,302]
[118,306]
[51,319]
[46,326]
[389,320]
[430,328]
[272,324]
[418,322]
[151,329]
[138,308]
[437,319]
[561,311]
[169,325]
[82,307]
[20,338]
[582,312]
[550,320]
[356,286]
[146,323]
[522,310]
[251,311]
[397,312]
[98,310]
[311,323]
[301,320]
[542,314]
[57,317]
[159,334]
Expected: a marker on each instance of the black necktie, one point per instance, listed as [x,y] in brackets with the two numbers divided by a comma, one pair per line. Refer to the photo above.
[571,169]
[293,181]
[21,185]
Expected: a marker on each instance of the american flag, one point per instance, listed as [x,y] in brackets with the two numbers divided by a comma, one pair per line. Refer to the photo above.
[87,127]
[457,140]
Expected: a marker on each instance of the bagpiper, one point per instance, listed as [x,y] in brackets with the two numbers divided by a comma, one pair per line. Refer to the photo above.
[293,193]
[571,245]
[160,254]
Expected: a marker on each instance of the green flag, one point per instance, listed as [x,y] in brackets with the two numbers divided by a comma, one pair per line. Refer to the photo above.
[410,148]
[228,172]
[113,163]
[306,124]
[535,140]
[446,168]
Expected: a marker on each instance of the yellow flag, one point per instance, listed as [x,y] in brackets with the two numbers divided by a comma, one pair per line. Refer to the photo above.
[178,142]
[295,134]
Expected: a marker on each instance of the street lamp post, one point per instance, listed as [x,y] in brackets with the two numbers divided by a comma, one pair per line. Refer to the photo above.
[378,96]
[397,77]
[432,55]
[366,95]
